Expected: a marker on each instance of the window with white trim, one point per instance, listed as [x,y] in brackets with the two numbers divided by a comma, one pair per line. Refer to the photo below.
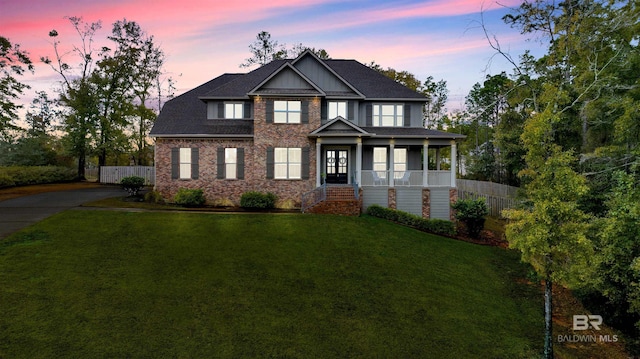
[287,163]
[380,161]
[287,111]
[231,163]
[185,163]
[337,108]
[233,110]
[385,115]
[399,162]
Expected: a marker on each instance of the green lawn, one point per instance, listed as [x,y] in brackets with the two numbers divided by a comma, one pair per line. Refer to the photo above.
[103,284]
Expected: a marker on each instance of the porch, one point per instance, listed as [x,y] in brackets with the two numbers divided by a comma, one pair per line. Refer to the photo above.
[407,168]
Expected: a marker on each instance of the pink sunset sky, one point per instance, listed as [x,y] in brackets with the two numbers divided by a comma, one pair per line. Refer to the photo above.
[204,39]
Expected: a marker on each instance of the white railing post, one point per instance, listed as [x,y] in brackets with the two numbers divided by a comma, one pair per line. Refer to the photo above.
[318,161]
[453,163]
[425,161]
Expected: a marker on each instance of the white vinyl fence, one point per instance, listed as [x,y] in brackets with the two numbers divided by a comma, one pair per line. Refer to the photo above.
[113,174]
[497,196]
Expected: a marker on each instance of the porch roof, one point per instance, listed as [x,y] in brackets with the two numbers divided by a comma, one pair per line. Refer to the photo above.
[339,127]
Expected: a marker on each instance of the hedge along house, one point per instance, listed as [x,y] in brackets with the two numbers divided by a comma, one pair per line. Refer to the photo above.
[301,126]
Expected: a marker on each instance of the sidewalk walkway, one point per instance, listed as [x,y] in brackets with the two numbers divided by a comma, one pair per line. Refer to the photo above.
[18,213]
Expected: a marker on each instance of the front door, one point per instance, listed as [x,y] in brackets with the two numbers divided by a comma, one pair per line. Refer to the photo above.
[337,166]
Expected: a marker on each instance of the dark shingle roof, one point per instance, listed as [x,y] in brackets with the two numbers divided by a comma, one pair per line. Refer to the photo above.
[186,114]
[417,132]
[369,82]
[239,87]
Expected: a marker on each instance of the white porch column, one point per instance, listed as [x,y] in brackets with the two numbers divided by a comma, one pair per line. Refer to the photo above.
[318,161]
[453,163]
[425,161]
[359,161]
[392,145]
[438,159]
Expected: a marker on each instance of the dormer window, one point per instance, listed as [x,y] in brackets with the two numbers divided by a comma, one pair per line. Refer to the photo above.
[388,115]
[233,110]
[337,108]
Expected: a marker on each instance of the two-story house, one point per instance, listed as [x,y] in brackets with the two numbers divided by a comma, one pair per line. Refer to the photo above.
[292,126]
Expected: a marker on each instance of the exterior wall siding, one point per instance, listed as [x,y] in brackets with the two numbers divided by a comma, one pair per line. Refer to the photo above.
[375,195]
[409,200]
[439,207]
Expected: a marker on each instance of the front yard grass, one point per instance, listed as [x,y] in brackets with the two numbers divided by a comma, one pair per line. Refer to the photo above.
[184,285]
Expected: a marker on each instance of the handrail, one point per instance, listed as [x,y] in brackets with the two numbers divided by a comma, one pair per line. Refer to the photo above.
[313,197]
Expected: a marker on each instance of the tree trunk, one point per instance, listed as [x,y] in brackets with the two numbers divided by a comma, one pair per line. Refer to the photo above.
[548,311]
[81,165]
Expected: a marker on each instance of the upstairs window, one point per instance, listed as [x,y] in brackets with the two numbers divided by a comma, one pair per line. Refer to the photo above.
[287,111]
[233,110]
[388,115]
[337,108]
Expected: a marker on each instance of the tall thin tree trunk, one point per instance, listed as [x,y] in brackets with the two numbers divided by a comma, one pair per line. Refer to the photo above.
[548,311]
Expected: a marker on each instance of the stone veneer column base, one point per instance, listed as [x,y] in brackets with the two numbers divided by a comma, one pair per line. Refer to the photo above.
[426,203]
[453,198]
[392,198]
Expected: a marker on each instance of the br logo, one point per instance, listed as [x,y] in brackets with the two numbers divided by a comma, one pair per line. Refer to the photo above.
[584,322]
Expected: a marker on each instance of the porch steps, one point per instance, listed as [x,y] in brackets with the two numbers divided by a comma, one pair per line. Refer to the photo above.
[340,200]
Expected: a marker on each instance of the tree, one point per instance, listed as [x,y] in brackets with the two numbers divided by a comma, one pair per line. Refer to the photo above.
[42,115]
[435,111]
[77,93]
[13,61]
[297,49]
[551,230]
[264,50]
[618,260]
[108,101]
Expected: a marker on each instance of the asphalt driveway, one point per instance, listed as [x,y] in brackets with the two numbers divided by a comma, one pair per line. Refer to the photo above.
[18,213]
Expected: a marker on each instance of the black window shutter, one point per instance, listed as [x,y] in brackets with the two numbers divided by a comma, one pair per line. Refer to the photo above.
[240,165]
[175,163]
[247,109]
[369,119]
[305,163]
[351,110]
[304,111]
[269,114]
[195,159]
[220,164]
[323,110]
[270,162]
[407,115]
[220,109]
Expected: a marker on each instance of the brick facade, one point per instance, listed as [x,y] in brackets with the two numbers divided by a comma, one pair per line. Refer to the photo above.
[218,191]
[392,198]
[426,203]
[453,198]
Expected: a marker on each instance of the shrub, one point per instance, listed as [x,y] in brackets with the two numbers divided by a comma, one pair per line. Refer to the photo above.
[258,200]
[153,197]
[28,175]
[437,226]
[6,180]
[471,212]
[190,197]
[132,184]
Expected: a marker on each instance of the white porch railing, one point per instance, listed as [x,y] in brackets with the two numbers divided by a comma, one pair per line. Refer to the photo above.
[406,178]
